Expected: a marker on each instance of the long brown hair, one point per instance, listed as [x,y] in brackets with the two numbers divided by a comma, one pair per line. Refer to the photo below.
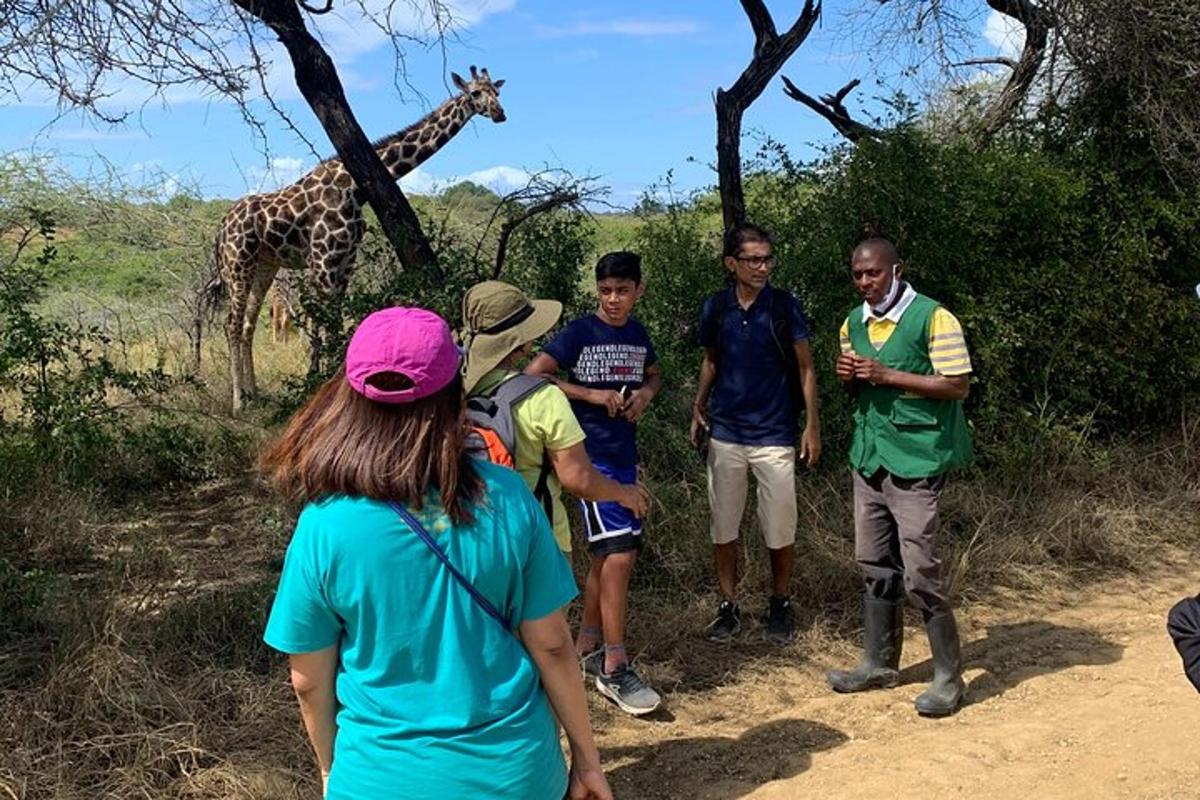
[340,442]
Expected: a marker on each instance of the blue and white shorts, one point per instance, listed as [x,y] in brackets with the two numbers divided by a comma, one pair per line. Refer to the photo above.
[611,527]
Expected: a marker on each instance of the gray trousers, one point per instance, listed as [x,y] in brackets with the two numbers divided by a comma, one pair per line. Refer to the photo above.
[895,522]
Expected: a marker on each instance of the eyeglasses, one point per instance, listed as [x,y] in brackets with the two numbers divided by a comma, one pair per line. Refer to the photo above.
[757,262]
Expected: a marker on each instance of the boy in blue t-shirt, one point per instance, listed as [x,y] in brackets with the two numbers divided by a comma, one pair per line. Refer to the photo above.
[613,374]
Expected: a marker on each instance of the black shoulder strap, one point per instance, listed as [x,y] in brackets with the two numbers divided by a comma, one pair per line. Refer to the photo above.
[427,538]
[781,325]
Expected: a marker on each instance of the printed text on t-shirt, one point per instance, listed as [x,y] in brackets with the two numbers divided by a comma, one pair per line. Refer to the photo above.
[611,363]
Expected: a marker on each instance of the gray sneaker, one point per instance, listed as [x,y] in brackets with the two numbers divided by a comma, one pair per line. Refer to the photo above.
[628,691]
[592,663]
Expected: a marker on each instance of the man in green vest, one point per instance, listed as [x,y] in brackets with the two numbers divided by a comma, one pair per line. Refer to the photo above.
[905,361]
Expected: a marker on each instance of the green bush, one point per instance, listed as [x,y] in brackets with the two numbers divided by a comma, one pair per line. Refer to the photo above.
[1073,284]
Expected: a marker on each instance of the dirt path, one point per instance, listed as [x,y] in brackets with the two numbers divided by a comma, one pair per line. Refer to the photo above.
[1065,702]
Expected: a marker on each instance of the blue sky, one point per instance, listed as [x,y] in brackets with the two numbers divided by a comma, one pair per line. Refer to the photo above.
[620,89]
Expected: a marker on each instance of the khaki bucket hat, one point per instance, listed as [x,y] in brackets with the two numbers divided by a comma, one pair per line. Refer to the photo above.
[497,319]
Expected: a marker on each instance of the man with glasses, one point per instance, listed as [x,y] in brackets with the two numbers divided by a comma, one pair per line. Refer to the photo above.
[756,373]
[905,362]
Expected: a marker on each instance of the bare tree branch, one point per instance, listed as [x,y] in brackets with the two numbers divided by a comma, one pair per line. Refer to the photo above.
[1001,61]
[834,110]
[1038,23]
[771,51]
[761,22]
[545,191]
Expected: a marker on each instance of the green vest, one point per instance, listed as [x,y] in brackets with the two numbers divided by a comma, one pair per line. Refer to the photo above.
[908,435]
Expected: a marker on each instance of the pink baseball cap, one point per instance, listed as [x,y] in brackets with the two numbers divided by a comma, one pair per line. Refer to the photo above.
[413,342]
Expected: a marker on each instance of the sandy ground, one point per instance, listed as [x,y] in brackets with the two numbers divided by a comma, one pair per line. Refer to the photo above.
[1066,699]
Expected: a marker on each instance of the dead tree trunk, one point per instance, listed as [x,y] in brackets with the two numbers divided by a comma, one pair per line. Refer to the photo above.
[1038,23]
[771,51]
[318,81]
[833,109]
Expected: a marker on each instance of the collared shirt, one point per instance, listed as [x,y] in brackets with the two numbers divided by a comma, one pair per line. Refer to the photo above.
[750,402]
[947,345]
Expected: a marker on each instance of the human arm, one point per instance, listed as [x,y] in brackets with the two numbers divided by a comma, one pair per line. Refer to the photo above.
[708,376]
[546,366]
[844,365]
[313,676]
[636,405]
[549,643]
[935,387]
[810,438]
[577,475]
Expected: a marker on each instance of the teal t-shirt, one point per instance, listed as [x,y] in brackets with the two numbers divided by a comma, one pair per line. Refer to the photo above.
[435,699]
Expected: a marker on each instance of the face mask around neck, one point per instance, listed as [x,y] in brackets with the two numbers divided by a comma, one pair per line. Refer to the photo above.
[892,293]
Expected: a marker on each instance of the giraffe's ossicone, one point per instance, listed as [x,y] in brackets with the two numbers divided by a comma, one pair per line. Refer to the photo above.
[316,223]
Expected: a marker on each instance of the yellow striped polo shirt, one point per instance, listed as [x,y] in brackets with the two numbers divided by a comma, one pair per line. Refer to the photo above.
[947,345]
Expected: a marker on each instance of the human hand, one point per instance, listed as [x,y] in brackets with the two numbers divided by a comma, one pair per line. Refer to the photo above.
[845,366]
[636,499]
[611,400]
[810,446]
[635,406]
[588,783]
[870,370]
[698,422]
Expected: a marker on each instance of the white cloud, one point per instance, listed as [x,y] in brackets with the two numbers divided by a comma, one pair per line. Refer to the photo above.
[360,27]
[623,27]
[277,173]
[1005,34]
[94,135]
[501,179]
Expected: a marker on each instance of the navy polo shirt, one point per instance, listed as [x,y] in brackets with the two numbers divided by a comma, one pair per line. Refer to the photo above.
[750,402]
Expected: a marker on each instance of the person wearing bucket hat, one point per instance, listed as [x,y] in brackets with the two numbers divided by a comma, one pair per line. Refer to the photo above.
[412,570]
[500,325]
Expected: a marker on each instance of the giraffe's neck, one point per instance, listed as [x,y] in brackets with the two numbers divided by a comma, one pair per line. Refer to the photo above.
[403,151]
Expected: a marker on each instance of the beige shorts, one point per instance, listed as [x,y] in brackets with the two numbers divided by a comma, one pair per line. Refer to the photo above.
[774,469]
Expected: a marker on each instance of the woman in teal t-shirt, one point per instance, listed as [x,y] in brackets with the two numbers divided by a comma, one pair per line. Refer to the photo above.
[408,687]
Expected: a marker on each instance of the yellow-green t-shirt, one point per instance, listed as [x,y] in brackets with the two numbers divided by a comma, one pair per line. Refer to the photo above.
[543,421]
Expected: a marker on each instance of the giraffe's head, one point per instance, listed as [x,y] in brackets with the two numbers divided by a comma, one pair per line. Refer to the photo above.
[483,93]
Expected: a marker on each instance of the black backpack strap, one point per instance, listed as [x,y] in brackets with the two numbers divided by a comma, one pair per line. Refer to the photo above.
[542,490]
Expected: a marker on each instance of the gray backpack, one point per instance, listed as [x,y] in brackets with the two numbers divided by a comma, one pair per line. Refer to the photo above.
[493,436]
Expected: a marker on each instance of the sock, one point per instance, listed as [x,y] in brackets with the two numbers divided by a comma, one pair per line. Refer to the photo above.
[614,657]
[589,637]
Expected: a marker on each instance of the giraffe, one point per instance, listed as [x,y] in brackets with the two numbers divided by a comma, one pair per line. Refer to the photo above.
[282,305]
[316,223]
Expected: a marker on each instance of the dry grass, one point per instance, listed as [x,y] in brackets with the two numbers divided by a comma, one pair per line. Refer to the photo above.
[145,676]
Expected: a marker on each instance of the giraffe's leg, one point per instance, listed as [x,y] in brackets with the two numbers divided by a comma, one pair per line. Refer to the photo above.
[233,335]
[254,301]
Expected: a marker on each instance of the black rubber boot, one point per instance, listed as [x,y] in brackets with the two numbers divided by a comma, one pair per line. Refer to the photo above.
[945,693]
[883,637]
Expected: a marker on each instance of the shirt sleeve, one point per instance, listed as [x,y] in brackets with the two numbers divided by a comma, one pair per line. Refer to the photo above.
[548,583]
[797,320]
[549,416]
[563,348]
[844,337]
[947,345]
[301,619]
[708,322]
